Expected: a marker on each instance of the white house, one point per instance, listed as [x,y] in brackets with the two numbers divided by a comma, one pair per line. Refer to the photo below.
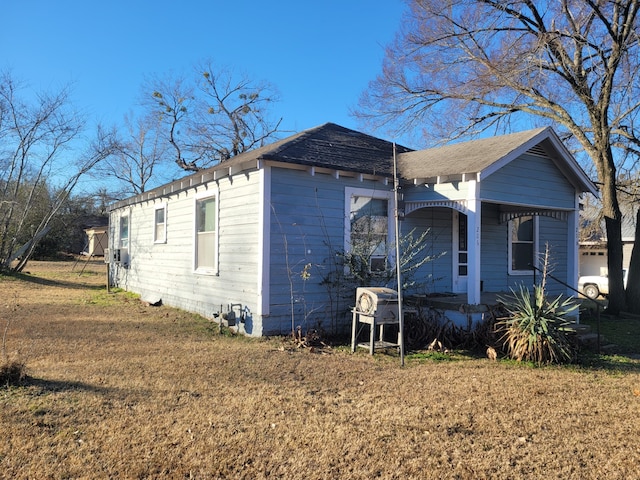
[258,234]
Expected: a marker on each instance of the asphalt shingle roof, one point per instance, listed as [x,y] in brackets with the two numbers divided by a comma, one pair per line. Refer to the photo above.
[338,148]
[329,146]
[466,157]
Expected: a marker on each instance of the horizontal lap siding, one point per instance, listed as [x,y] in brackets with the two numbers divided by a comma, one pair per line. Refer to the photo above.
[307,227]
[495,253]
[554,233]
[494,266]
[166,270]
[435,275]
[529,180]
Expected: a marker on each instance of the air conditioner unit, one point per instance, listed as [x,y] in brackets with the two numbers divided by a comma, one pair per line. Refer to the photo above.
[378,302]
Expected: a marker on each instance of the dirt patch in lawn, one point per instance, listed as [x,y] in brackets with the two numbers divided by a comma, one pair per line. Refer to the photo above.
[117,388]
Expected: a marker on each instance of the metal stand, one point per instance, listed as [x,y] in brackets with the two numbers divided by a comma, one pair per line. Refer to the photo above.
[372,344]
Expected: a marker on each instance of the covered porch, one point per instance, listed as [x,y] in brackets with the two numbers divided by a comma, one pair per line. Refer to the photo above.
[493,207]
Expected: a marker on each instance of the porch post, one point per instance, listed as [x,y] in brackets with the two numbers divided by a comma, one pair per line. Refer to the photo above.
[473,240]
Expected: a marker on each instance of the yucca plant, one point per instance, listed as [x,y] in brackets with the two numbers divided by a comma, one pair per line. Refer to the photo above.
[534,329]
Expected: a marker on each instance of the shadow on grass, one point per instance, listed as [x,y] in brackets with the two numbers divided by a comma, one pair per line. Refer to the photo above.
[26,277]
[63,386]
[614,363]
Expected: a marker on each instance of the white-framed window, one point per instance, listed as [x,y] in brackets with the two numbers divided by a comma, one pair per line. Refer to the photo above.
[523,240]
[367,226]
[124,231]
[160,224]
[206,233]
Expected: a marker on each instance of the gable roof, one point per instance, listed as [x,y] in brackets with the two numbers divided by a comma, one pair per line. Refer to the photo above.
[338,148]
[485,156]
[330,146]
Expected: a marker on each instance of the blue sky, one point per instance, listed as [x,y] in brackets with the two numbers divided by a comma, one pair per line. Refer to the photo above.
[319,55]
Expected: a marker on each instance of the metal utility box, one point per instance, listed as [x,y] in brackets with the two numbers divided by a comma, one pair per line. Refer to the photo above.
[381,302]
[375,306]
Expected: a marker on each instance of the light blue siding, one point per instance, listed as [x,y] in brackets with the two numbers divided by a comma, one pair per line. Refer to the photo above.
[495,256]
[529,180]
[554,234]
[494,266]
[434,276]
[307,228]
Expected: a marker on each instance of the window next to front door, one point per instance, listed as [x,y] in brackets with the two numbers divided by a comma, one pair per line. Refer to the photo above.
[522,244]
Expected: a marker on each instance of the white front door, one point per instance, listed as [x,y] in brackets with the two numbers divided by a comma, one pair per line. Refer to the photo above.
[460,252]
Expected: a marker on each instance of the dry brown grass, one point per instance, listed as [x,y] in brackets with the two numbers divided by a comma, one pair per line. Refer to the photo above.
[118,389]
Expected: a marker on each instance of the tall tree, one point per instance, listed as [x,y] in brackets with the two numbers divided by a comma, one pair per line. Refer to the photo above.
[461,66]
[138,156]
[36,150]
[214,117]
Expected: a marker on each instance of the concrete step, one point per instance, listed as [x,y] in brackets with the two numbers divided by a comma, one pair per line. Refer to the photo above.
[579,328]
[589,339]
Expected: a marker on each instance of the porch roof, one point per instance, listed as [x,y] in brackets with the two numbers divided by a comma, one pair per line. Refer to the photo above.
[481,158]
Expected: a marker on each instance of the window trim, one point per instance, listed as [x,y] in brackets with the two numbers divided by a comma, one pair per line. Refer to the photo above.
[349,192]
[208,194]
[162,206]
[534,243]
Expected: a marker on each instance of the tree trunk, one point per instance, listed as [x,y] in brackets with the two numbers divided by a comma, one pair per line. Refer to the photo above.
[613,224]
[633,278]
[617,298]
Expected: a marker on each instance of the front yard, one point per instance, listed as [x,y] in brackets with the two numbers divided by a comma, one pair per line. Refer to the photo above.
[120,389]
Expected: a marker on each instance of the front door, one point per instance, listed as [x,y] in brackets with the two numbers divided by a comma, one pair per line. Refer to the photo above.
[460,252]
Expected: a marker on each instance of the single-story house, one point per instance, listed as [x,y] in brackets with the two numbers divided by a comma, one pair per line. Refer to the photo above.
[259,235]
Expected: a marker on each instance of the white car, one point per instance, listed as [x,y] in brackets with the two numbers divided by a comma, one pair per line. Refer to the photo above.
[592,286]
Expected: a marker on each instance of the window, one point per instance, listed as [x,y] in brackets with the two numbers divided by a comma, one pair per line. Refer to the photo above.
[124,231]
[522,239]
[160,224]
[463,260]
[368,235]
[206,238]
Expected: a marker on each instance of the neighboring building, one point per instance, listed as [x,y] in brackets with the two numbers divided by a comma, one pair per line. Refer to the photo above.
[97,241]
[593,249]
[240,236]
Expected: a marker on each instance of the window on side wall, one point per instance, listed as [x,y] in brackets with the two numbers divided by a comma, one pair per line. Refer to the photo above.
[124,231]
[369,229]
[206,251]
[160,224]
[522,244]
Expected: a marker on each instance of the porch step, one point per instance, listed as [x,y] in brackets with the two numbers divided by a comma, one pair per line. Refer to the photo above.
[579,328]
[589,339]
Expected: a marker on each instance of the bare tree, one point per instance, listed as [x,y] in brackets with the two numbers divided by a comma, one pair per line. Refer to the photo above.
[213,118]
[137,155]
[37,142]
[461,66]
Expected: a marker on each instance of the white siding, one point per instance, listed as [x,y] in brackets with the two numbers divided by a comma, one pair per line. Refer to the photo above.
[166,270]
